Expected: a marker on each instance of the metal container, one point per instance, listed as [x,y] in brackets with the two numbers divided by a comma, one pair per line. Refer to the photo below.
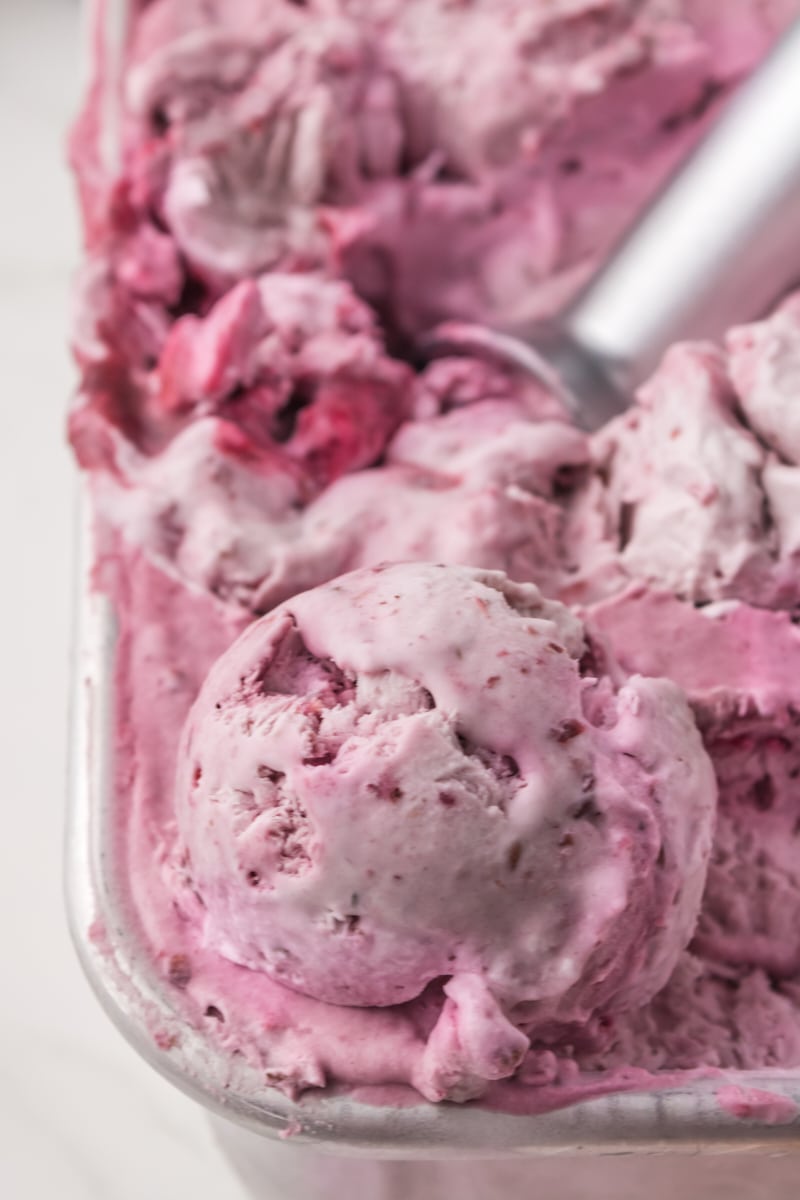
[324,1146]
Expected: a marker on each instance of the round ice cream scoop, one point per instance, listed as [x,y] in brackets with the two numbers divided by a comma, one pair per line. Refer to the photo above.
[713,250]
[407,777]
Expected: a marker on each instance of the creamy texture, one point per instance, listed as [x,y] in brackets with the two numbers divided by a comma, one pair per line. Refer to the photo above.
[450,160]
[304,188]
[696,488]
[453,159]
[447,160]
[403,776]
[477,483]
[732,999]
[740,667]
[295,362]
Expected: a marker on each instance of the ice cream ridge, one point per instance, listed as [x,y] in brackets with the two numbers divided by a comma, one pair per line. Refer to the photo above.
[455,749]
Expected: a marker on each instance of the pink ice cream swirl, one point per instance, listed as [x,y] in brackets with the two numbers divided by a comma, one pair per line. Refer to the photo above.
[406,776]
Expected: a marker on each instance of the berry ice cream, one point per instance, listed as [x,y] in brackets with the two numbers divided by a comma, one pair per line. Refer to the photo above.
[404,775]
[455,160]
[421,823]
[697,488]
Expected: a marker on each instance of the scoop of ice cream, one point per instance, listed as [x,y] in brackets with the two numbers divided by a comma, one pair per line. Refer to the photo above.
[453,160]
[406,775]
[683,488]
[695,488]
[225,507]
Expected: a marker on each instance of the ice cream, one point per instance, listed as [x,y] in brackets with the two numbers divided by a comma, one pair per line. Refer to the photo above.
[740,668]
[448,159]
[422,824]
[295,362]
[697,488]
[403,776]
[454,159]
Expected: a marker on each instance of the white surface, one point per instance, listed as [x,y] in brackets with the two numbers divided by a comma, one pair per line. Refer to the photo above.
[81,1117]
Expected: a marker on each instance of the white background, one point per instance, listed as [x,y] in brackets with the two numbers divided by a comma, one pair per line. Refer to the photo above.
[81,1117]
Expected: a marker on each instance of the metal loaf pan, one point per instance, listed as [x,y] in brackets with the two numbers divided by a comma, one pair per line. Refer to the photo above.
[684,1120]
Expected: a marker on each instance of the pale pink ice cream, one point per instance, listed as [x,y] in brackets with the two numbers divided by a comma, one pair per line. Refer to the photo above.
[740,667]
[294,363]
[448,159]
[452,159]
[404,775]
[697,487]
[242,477]
[302,189]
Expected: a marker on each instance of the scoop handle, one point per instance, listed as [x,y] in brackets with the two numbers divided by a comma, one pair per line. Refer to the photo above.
[716,247]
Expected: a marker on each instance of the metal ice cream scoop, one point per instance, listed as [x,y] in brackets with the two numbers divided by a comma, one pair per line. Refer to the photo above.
[715,248]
